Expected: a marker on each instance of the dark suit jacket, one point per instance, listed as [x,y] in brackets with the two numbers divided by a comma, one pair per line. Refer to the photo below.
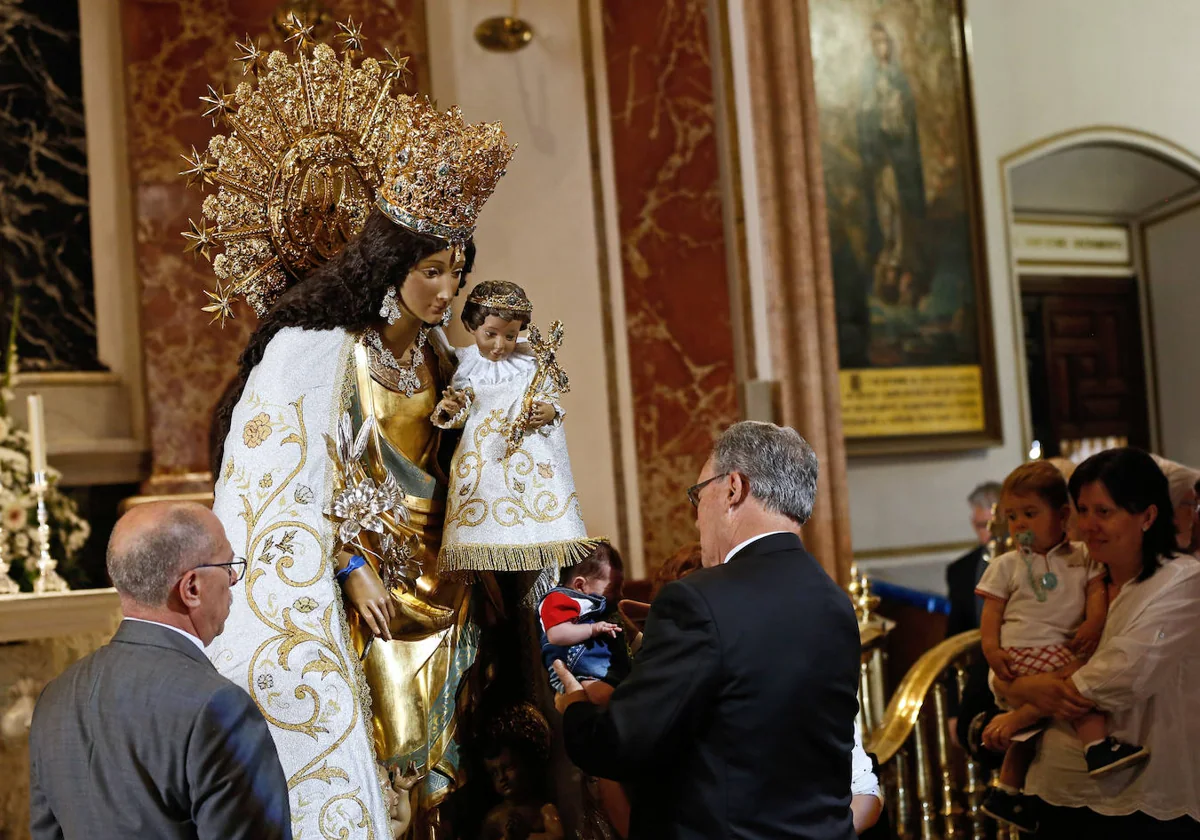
[144,739]
[961,578]
[738,718]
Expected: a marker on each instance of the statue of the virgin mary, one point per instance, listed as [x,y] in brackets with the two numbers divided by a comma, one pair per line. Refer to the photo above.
[346,214]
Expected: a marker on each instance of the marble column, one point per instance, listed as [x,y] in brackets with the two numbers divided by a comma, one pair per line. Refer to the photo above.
[673,253]
[45,240]
[803,327]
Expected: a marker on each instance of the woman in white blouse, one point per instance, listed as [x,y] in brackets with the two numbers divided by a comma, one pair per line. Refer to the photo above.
[1145,675]
[866,800]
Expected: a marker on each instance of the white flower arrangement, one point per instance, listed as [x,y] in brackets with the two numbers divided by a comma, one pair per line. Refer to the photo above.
[18,505]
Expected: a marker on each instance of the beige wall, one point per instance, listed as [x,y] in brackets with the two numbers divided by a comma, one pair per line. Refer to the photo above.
[1172,262]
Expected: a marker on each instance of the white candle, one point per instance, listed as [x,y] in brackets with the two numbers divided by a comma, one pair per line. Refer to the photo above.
[37,433]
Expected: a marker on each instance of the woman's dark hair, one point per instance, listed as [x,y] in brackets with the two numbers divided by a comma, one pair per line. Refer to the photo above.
[474,314]
[1135,483]
[345,292]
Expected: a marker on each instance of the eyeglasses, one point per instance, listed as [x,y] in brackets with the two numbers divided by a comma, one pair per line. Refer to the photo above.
[693,492]
[236,567]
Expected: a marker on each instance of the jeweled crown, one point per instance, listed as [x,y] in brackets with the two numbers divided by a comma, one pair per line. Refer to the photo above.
[511,302]
[439,171]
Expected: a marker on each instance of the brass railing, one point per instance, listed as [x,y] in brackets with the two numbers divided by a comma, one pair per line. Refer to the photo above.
[932,788]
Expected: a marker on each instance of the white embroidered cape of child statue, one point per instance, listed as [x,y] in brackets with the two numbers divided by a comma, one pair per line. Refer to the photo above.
[508,512]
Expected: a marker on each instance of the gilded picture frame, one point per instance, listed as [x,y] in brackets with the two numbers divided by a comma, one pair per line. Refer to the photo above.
[898,145]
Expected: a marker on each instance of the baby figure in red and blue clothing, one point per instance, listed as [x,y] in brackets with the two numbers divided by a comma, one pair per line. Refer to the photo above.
[1044,610]
[579,623]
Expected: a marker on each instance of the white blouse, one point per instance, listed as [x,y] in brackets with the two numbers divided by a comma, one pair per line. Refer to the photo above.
[1145,676]
[863,781]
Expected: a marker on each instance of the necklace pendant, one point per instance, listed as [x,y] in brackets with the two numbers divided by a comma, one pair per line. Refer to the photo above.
[1049,581]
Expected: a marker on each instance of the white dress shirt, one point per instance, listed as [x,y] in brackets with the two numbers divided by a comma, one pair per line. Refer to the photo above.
[183,633]
[1145,676]
[745,543]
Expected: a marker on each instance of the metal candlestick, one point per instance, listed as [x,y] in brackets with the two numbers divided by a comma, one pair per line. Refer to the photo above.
[8,586]
[48,580]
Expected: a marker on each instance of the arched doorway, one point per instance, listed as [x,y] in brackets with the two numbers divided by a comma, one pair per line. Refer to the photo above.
[1104,229]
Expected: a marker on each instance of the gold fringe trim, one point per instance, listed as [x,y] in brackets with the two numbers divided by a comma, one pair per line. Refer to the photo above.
[515,558]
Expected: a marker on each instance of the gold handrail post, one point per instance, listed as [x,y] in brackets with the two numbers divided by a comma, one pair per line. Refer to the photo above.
[977,787]
[950,809]
[924,782]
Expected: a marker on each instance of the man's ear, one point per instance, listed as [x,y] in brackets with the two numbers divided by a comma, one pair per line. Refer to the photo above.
[739,489]
[189,589]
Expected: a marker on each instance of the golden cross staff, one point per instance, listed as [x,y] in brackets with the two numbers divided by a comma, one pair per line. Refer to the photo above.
[548,380]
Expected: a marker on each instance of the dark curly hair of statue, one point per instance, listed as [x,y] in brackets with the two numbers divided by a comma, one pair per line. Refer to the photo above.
[474,314]
[1135,483]
[344,292]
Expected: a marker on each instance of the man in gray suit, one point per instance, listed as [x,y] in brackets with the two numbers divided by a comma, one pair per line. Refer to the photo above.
[143,738]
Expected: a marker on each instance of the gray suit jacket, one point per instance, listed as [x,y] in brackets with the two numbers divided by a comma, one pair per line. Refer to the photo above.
[144,739]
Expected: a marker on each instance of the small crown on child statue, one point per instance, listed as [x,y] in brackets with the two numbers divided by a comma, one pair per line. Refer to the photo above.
[511,301]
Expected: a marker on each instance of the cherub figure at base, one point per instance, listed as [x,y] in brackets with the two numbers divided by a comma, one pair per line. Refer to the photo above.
[512,505]
[516,755]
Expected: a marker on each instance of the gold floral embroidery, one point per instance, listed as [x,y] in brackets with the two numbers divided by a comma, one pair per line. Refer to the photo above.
[540,505]
[266,481]
[257,430]
[305,604]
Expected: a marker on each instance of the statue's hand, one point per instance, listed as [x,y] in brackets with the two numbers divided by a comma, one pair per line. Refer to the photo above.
[540,414]
[372,601]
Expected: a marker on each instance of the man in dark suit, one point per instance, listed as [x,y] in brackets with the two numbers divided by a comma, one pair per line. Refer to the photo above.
[143,738]
[966,609]
[738,718]
[964,573]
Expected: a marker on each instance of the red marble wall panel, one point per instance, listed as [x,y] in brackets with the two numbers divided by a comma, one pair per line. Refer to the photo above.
[172,52]
[673,252]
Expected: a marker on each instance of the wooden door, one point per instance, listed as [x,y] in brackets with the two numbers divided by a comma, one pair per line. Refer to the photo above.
[1091,381]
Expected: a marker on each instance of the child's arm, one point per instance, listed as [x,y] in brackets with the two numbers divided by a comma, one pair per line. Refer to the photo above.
[1087,637]
[989,628]
[569,633]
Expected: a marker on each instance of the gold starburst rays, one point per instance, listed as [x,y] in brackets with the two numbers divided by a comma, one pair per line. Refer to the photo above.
[297,169]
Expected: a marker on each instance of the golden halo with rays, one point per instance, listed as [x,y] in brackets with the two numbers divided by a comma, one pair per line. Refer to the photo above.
[297,172]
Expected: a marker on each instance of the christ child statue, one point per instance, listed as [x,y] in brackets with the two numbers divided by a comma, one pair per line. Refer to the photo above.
[511,504]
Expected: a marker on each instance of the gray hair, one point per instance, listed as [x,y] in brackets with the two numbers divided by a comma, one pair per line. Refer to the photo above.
[145,563]
[985,495]
[778,463]
[1180,479]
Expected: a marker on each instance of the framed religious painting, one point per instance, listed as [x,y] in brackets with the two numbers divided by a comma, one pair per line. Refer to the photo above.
[905,229]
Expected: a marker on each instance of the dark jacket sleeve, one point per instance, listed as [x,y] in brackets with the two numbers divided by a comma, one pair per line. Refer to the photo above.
[43,825]
[657,708]
[238,788]
[960,582]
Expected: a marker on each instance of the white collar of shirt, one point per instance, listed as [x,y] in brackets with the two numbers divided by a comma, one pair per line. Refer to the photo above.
[745,543]
[183,633]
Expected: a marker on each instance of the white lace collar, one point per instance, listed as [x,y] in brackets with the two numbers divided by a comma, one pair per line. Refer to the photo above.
[475,368]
